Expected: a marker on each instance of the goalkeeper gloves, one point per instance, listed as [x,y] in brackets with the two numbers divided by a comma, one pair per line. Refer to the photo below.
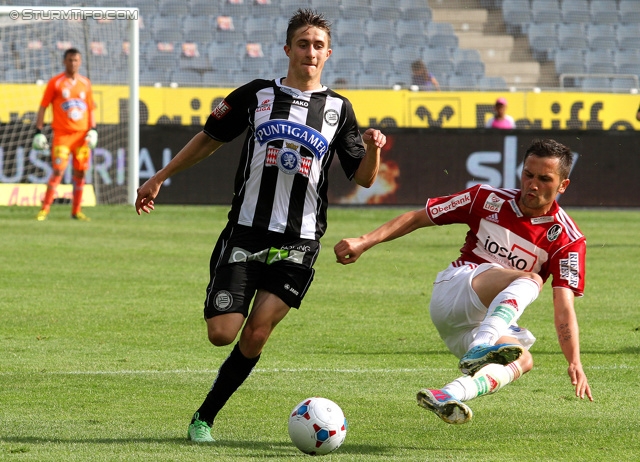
[92,138]
[40,141]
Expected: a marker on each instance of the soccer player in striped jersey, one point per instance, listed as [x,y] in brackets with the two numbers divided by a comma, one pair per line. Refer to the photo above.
[74,130]
[278,214]
[516,240]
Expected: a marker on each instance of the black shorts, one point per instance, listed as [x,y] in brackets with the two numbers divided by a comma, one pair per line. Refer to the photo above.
[245,260]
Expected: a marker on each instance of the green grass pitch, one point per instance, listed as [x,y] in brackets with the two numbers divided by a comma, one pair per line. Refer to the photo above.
[104,356]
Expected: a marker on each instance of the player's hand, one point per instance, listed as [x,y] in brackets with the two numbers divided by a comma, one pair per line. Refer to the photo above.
[374,137]
[349,250]
[40,142]
[579,381]
[146,195]
[92,138]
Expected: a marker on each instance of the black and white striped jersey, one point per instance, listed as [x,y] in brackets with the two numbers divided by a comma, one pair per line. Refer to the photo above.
[281,182]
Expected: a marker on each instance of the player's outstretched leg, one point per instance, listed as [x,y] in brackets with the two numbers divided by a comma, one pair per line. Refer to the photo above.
[481,355]
[445,406]
[199,431]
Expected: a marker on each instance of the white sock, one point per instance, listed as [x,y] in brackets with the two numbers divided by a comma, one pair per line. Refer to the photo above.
[505,310]
[487,380]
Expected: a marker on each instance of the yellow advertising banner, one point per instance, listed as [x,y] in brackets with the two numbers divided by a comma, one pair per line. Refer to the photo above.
[31,195]
[385,108]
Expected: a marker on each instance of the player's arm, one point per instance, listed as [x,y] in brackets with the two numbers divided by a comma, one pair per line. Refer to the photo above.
[198,148]
[367,172]
[566,324]
[39,139]
[349,250]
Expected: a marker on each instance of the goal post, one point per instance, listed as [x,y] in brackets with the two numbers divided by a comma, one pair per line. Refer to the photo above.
[32,43]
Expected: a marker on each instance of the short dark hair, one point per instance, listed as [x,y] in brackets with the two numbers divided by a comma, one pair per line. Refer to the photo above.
[551,148]
[309,18]
[71,51]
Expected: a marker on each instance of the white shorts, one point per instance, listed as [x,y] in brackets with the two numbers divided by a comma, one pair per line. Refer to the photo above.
[456,310]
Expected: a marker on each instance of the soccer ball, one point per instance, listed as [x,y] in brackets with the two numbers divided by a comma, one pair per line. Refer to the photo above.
[317,426]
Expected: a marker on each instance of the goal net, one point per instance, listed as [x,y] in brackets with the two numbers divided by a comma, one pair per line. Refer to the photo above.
[32,44]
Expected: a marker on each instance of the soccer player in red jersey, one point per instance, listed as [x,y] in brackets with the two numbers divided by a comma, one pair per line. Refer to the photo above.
[516,240]
[74,133]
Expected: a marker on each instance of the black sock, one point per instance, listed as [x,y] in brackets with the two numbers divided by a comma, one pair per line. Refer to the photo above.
[233,372]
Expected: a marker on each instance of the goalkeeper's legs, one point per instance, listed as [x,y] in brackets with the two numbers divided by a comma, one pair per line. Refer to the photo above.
[78,189]
[52,185]
[80,166]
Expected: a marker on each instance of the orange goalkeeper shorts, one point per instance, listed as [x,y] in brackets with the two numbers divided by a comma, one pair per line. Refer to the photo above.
[65,144]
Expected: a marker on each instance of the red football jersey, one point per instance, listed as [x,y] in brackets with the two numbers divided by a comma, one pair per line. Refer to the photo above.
[499,233]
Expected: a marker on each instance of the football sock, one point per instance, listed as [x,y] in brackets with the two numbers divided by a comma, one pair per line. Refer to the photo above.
[487,380]
[505,310]
[233,372]
[78,188]
[52,185]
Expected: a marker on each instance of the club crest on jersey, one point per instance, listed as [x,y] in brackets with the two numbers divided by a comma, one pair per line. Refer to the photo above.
[287,130]
[331,117]
[554,232]
[223,300]
[493,203]
[288,160]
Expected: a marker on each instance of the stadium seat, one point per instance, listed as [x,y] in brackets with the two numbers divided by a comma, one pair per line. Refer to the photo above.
[546,11]
[288,7]
[186,78]
[462,82]
[383,9]
[349,32]
[601,37]
[569,62]
[599,62]
[492,83]
[377,59]
[167,28]
[626,61]
[381,32]
[437,54]
[205,8]
[355,9]
[374,80]
[411,33]
[628,36]
[629,12]
[572,36]
[517,16]
[543,39]
[575,11]
[468,62]
[624,84]
[19,75]
[198,29]
[399,78]
[193,56]
[328,8]
[266,9]
[415,10]
[442,35]
[153,76]
[236,9]
[596,83]
[219,78]
[147,7]
[260,30]
[225,55]
[170,8]
[403,56]
[603,12]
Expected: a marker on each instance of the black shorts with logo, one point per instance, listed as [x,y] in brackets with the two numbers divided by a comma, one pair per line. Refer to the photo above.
[245,260]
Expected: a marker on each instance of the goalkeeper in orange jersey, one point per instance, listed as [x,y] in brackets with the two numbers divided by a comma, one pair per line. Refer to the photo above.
[74,133]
